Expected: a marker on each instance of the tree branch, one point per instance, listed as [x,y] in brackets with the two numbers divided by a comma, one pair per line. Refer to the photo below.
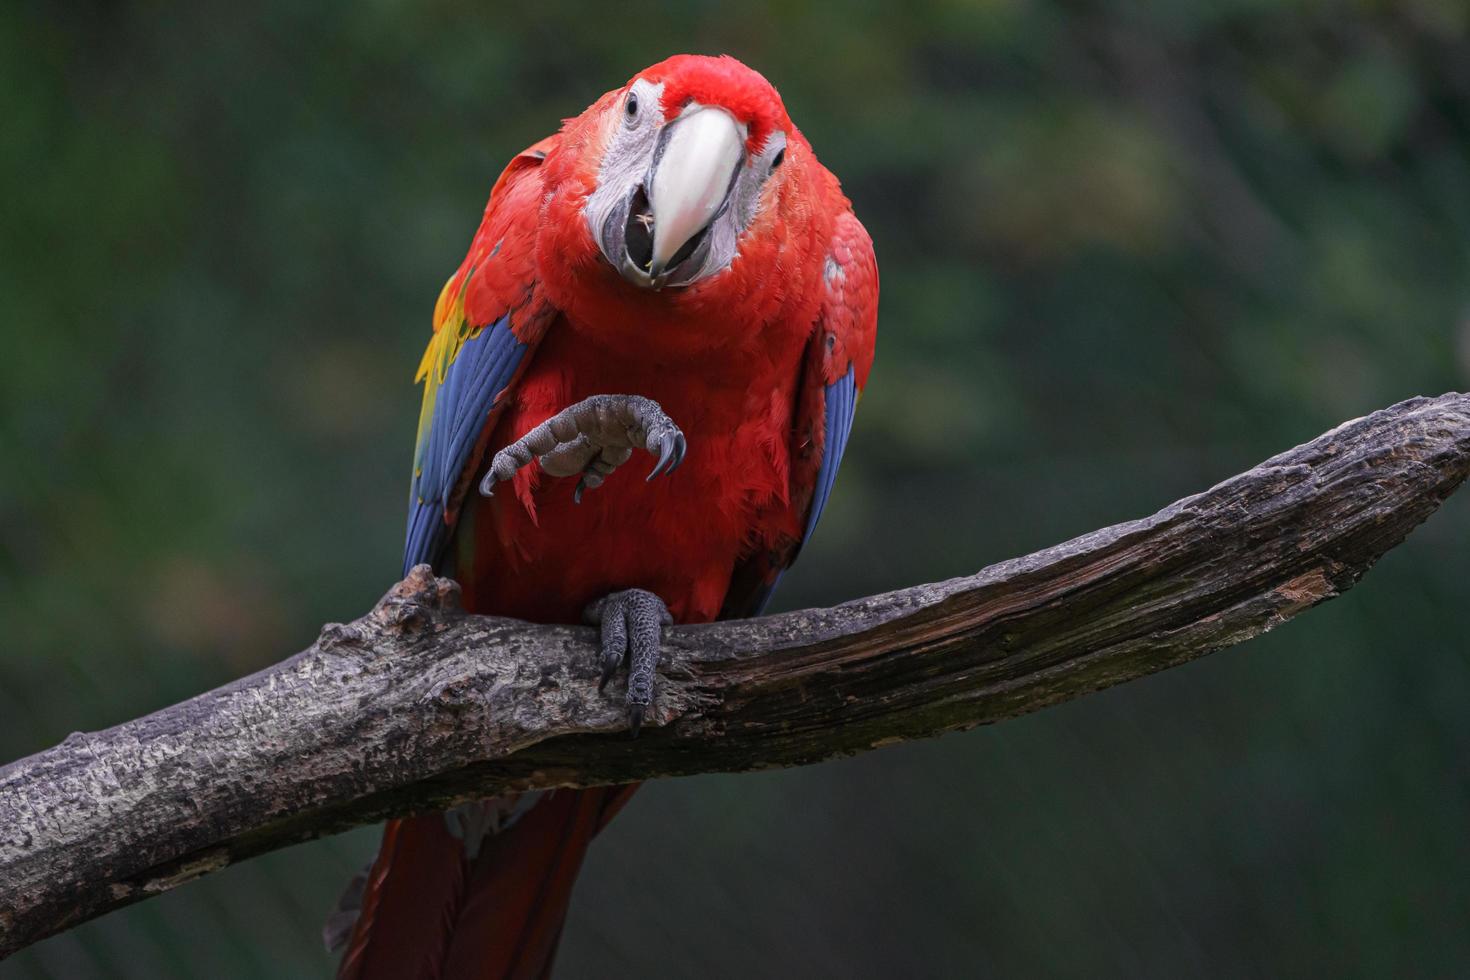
[416,705]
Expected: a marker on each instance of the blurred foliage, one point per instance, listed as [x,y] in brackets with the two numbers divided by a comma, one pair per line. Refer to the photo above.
[1129,247]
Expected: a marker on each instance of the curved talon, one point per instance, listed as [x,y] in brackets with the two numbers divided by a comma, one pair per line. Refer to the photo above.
[671,448]
[610,667]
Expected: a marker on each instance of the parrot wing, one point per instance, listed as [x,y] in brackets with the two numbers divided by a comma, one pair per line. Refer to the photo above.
[834,370]
[490,316]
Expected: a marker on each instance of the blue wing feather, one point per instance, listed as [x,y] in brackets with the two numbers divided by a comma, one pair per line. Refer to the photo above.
[841,405]
[483,367]
[491,374]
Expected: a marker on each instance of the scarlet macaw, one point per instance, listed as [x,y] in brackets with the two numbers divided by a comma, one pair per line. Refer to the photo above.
[673,271]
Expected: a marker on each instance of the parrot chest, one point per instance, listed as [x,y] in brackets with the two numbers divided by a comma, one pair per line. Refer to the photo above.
[536,554]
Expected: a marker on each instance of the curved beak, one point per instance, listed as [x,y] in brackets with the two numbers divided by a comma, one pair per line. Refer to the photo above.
[691,179]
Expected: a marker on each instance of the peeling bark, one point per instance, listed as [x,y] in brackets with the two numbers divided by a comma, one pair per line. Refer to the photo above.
[417,706]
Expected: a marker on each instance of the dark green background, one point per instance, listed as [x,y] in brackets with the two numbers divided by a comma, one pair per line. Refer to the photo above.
[1128,249]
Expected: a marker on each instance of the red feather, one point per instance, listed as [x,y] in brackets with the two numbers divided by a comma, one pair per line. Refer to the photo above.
[428,912]
[410,904]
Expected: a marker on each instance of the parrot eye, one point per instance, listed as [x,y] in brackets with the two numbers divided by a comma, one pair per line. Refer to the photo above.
[630,108]
[778,158]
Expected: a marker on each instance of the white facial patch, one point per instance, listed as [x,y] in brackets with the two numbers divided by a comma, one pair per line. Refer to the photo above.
[628,153]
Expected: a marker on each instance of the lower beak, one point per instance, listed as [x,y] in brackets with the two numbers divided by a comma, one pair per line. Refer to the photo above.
[691,180]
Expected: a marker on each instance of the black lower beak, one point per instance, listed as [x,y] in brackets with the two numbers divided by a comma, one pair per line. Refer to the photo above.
[638,232]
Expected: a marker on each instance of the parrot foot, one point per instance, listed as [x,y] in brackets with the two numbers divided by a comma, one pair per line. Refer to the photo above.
[632,623]
[593,438]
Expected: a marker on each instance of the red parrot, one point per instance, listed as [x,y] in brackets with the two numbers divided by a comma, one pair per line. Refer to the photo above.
[674,272]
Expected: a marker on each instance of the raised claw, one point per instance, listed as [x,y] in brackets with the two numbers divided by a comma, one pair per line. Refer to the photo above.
[591,439]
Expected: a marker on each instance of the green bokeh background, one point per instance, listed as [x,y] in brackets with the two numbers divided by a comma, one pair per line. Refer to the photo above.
[1128,248]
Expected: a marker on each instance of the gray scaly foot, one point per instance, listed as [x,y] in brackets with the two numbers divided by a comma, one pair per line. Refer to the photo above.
[632,623]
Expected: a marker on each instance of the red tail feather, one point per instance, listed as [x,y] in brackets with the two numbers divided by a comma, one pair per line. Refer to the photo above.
[430,914]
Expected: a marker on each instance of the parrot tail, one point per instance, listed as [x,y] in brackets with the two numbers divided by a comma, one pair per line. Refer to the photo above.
[478,891]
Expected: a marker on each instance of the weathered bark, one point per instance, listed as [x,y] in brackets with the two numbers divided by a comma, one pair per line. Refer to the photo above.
[417,705]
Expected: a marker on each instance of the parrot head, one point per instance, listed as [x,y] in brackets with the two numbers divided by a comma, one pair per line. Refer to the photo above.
[681,161]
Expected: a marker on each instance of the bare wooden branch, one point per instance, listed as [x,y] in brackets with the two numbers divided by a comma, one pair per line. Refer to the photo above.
[416,705]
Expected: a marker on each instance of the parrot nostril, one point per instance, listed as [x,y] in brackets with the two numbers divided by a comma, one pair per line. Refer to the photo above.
[638,233]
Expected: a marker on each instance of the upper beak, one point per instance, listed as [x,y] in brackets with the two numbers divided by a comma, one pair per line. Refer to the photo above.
[691,179]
